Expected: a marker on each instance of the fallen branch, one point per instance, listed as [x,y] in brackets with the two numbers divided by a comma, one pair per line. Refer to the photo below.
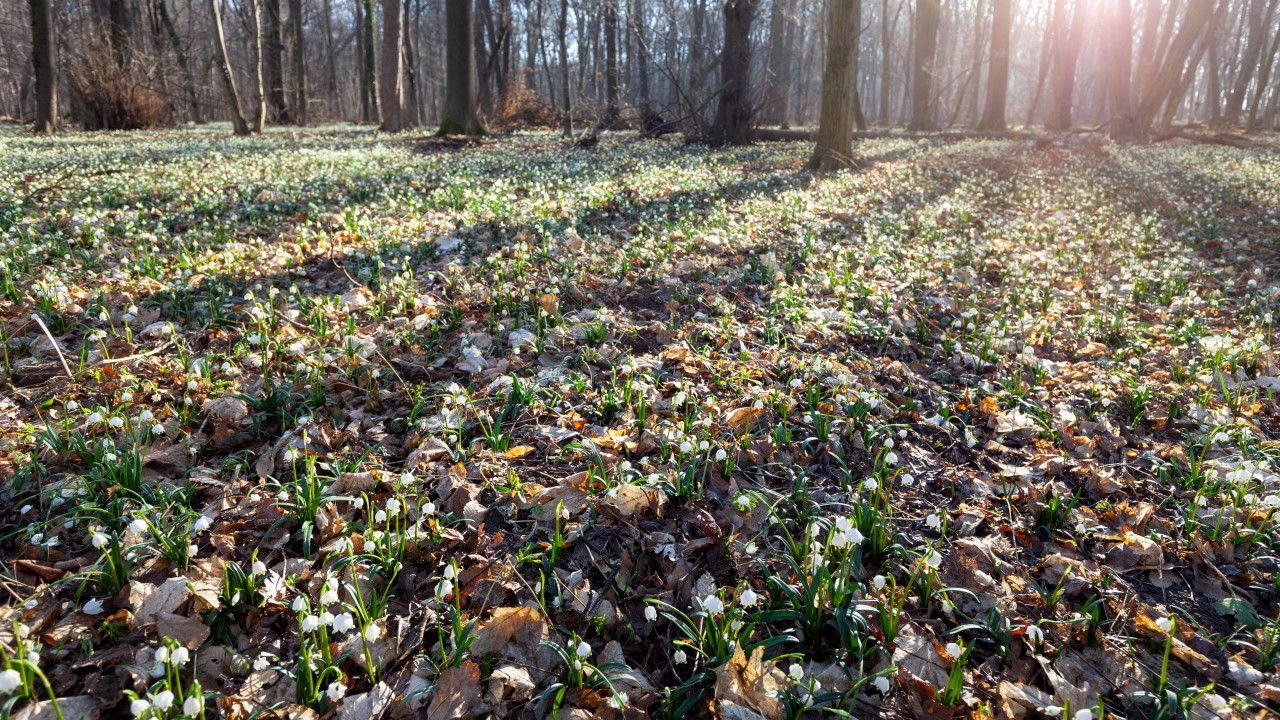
[54,343]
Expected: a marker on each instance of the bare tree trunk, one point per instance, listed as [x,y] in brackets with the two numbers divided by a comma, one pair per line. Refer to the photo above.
[732,125]
[1065,59]
[834,148]
[1160,80]
[562,31]
[392,78]
[1264,77]
[299,63]
[330,60]
[886,59]
[610,63]
[460,116]
[44,64]
[260,118]
[372,109]
[642,59]
[193,92]
[118,29]
[274,61]
[777,85]
[238,123]
[412,101]
[1124,124]
[859,121]
[926,48]
[993,114]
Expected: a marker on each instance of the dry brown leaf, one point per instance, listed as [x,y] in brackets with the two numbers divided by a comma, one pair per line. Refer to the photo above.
[747,683]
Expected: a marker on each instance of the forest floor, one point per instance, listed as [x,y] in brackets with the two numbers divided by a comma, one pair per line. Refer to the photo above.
[384,426]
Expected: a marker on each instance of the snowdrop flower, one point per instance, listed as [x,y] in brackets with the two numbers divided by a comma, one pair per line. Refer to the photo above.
[1166,624]
[164,699]
[97,539]
[344,622]
[680,657]
[1085,714]
[1216,702]
[117,422]
[907,480]
[882,684]
[180,656]
[933,559]
[193,704]
[751,548]
[259,568]
[300,603]
[336,691]
[686,447]
[95,418]
[201,524]
[93,607]
[380,516]
[326,618]
[372,633]
[9,681]
[444,588]
[891,458]
[310,623]
[1035,634]
[796,672]
[713,605]
[650,613]
[329,595]
[933,521]
[871,484]
[721,455]
[953,650]
[139,707]
[748,598]
[393,506]
[584,649]
[878,582]
[1052,710]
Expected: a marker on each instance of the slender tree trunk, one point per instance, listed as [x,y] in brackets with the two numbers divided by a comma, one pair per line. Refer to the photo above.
[260,117]
[184,63]
[776,85]
[412,101]
[1264,78]
[834,148]
[993,114]
[238,123]
[974,81]
[330,57]
[886,59]
[926,47]
[118,31]
[1161,80]
[1259,21]
[642,59]
[460,117]
[369,65]
[562,31]
[299,63]
[1066,56]
[44,65]
[732,125]
[610,63]
[1124,124]
[392,78]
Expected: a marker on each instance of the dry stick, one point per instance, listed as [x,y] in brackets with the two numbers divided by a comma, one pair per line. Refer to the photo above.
[55,346]
[127,358]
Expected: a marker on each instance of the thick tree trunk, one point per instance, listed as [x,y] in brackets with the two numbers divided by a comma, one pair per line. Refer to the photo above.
[993,113]
[118,31]
[859,121]
[732,125]
[43,63]
[299,63]
[835,121]
[1119,48]
[460,116]
[274,61]
[928,13]
[777,86]
[184,63]
[392,77]
[1065,58]
[412,99]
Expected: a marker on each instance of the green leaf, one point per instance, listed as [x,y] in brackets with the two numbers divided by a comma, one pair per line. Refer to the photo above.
[1242,609]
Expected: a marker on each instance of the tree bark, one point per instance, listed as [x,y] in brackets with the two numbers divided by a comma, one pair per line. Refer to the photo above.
[412,99]
[732,125]
[260,117]
[274,62]
[392,78]
[1161,79]
[1065,59]
[371,109]
[238,123]
[993,113]
[777,86]
[610,63]
[922,72]
[562,30]
[44,65]
[460,117]
[836,119]
[1124,124]
[299,63]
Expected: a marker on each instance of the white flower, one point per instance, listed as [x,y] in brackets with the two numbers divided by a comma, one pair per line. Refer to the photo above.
[650,613]
[686,447]
[1052,710]
[95,418]
[93,607]
[796,672]
[891,458]
[680,657]
[583,649]
[262,662]
[259,567]
[380,516]
[871,484]
[953,650]
[138,525]
[713,605]
[9,681]
[444,588]
[372,632]
[116,422]
[1165,624]
[748,598]
[201,524]
[139,707]
[933,559]
[393,506]
[907,480]
[721,455]
[878,582]
[193,705]
[882,684]
[933,521]
[1216,702]
[180,656]
[336,691]
[1085,714]
[1035,634]
[97,539]
[329,596]
[310,623]
[164,699]
[344,623]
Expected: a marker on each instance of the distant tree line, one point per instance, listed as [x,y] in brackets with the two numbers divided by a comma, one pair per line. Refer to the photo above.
[719,70]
